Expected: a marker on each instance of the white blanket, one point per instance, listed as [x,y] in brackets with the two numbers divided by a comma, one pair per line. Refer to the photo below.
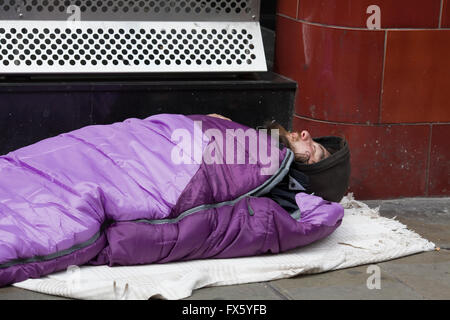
[363,238]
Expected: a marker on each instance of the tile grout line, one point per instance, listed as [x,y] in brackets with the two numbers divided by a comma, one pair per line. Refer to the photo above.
[387,124]
[278,292]
[298,4]
[317,24]
[400,280]
[380,109]
[440,14]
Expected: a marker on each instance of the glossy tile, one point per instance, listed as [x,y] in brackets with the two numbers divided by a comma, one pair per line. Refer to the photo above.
[439,176]
[287,7]
[387,161]
[351,13]
[288,48]
[445,22]
[416,78]
[338,71]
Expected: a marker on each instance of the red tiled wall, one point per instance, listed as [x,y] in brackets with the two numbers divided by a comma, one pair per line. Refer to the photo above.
[288,7]
[445,16]
[387,91]
[394,13]
[417,77]
[387,161]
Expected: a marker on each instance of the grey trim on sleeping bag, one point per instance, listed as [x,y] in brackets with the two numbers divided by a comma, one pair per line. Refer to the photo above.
[296,214]
[55,255]
[257,192]
[264,188]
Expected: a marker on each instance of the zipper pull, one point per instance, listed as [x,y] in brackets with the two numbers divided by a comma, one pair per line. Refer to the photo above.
[249,207]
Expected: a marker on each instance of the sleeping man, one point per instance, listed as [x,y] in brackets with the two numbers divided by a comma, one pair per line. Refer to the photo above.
[134,193]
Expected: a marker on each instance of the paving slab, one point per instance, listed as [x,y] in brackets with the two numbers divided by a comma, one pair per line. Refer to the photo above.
[13,293]
[344,284]
[429,217]
[436,232]
[435,207]
[428,273]
[251,291]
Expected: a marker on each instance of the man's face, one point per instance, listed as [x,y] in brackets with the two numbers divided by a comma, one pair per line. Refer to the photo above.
[303,144]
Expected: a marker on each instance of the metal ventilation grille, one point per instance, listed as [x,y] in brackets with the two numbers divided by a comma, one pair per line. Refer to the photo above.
[132,10]
[119,36]
[28,47]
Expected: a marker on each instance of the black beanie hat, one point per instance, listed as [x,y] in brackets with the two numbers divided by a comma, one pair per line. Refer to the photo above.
[330,177]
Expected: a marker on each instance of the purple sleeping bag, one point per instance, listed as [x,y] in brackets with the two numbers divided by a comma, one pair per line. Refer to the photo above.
[113,194]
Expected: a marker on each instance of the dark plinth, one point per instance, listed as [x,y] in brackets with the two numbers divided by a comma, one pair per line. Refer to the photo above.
[34,109]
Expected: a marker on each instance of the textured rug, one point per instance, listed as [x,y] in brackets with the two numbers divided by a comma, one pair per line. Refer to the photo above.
[363,238]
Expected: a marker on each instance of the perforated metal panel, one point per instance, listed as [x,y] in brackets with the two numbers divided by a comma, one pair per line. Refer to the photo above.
[113,37]
[146,10]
